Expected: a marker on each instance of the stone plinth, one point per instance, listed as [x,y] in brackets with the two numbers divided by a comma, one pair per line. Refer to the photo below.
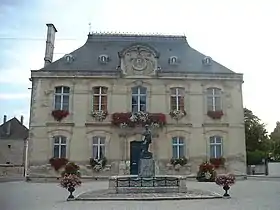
[146,168]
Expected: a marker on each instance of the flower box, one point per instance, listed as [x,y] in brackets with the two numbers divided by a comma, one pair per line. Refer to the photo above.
[58,115]
[129,119]
[217,162]
[177,114]
[58,163]
[215,114]
[99,115]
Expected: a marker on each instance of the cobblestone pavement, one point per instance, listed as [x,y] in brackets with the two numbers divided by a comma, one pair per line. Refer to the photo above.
[249,195]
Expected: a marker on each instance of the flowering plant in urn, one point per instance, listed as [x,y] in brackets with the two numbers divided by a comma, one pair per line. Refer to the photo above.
[70,182]
[225,180]
[99,115]
[177,114]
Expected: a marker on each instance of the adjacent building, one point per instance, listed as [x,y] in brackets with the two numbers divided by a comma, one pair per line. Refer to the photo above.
[94,101]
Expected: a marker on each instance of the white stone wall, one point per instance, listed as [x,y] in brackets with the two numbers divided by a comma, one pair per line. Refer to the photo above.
[12,151]
[79,127]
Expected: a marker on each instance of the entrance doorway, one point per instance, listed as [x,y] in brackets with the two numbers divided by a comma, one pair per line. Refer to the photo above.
[135,152]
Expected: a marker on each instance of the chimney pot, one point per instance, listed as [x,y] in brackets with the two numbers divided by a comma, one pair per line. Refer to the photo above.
[50,43]
[21,119]
[5,119]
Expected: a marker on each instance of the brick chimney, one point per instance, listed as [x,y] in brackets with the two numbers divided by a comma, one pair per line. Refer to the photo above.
[50,44]
[5,119]
[21,119]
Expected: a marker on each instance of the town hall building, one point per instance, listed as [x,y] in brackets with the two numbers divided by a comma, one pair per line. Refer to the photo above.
[93,103]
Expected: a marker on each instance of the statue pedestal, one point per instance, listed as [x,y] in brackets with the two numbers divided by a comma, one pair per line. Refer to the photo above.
[146,168]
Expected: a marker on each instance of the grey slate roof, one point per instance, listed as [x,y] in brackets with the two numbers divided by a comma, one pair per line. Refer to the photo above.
[86,57]
[17,131]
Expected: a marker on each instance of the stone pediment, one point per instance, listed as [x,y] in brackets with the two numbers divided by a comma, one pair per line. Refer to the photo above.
[138,60]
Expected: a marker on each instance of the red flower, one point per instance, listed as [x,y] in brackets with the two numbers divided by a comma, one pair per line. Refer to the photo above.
[58,163]
[59,114]
[205,167]
[217,162]
[215,114]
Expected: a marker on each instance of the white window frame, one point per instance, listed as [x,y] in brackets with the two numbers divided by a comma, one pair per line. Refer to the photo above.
[99,94]
[59,144]
[62,94]
[213,96]
[98,145]
[216,144]
[139,95]
[177,95]
[178,145]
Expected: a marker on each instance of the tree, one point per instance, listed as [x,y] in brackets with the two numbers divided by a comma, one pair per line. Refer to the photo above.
[255,132]
[275,142]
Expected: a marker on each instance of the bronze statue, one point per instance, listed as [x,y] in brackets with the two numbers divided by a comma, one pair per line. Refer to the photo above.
[146,141]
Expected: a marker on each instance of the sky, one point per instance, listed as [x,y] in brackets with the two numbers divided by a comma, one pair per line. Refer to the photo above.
[241,35]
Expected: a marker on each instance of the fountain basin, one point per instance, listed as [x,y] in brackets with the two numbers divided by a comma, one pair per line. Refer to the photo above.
[126,184]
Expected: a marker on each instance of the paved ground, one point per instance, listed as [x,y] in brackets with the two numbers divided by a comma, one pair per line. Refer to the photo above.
[249,195]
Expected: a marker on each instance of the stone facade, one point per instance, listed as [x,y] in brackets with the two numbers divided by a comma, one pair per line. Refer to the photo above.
[79,127]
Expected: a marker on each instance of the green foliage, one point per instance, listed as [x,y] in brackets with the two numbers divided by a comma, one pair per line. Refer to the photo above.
[181,161]
[255,157]
[275,142]
[255,132]
[71,168]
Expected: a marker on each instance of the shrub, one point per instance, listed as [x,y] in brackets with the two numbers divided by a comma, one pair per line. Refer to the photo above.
[255,157]
[181,161]
[71,168]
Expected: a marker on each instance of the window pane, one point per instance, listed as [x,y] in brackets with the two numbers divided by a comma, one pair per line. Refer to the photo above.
[212,151]
[143,108]
[181,140]
[173,103]
[210,103]
[217,91]
[63,139]
[134,90]
[56,151]
[96,90]
[134,100]
[174,152]
[218,151]
[143,90]
[181,102]
[143,100]
[95,140]
[57,102]
[218,104]
[174,140]
[66,90]
[56,140]
[102,140]
[181,91]
[102,152]
[103,99]
[63,151]
[95,99]
[58,89]
[134,108]
[181,151]
[104,90]
[218,139]
[212,140]
[94,152]
[65,102]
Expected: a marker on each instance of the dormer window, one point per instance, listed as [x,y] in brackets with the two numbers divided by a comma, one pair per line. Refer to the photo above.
[173,60]
[103,59]
[207,61]
[69,58]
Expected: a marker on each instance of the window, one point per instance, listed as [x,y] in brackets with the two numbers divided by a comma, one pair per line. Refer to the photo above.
[100,98]
[173,60]
[178,147]
[59,147]
[177,99]
[214,99]
[61,98]
[98,147]
[103,59]
[139,99]
[216,147]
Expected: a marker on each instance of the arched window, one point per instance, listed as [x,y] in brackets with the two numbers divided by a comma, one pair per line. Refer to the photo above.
[178,147]
[214,99]
[139,99]
[100,98]
[177,99]
[216,147]
[98,147]
[61,98]
[59,146]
